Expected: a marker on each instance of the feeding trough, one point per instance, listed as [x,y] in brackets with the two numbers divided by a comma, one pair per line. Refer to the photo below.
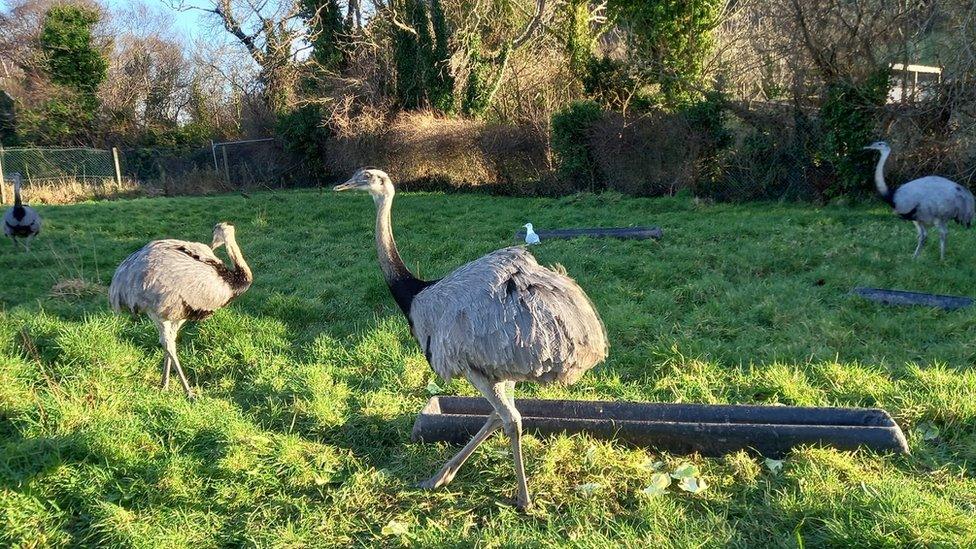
[710,430]
[900,297]
[637,233]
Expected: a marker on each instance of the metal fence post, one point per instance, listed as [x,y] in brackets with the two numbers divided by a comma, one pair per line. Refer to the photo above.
[118,172]
[226,168]
[3,181]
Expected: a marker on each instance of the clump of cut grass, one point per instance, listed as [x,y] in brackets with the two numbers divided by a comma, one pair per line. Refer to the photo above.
[74,288]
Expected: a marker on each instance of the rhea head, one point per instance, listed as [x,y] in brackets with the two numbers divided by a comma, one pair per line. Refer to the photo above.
[371,180]
[222,233]
[879,146]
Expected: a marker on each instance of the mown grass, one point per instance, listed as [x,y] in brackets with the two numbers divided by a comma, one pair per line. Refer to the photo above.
[310,382]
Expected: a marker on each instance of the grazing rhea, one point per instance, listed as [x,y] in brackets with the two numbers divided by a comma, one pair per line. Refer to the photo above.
[173,281]
[930,200]
[495,321]
[21,221]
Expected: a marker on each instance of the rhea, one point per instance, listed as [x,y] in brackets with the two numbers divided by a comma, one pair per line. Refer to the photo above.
[173,281]
[21,221]
[495,321]
[926,201]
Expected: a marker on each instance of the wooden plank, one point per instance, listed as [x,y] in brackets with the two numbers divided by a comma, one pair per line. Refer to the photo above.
[638,233]
[709,430]
[901,297]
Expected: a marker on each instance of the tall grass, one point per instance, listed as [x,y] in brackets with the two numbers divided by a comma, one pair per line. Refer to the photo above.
[310,382]
[69,190]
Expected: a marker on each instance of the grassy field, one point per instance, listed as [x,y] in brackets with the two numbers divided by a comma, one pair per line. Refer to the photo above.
[310,382]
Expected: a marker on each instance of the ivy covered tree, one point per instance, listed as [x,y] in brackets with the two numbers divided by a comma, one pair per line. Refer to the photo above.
[671,41]
[849,118]
[328,31]
[77,66]
[421,55]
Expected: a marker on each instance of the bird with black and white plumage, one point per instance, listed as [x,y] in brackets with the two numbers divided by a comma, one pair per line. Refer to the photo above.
[926,201]
[21,222]
[495,321]
[173,281]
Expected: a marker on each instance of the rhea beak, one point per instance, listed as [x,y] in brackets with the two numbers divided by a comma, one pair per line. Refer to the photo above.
[217,242]
[352,184]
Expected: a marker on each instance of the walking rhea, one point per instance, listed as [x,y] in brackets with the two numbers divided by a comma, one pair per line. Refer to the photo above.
[173,281]
[495,321]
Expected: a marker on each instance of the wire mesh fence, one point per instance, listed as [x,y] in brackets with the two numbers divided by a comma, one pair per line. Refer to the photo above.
[46,164]
[230,165]
[56,173]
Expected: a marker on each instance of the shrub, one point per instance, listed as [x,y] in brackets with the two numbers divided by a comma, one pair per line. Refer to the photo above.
[654,154]
[304,135]
[571,130]
[849,118]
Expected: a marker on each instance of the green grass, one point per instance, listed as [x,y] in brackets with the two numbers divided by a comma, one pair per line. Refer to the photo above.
[310,382]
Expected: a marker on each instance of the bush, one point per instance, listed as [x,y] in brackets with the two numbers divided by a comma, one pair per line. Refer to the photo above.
[655,154]
[305,135]
[571,131]
[849,118]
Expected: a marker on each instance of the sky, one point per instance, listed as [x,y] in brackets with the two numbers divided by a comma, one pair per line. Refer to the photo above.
[186,23]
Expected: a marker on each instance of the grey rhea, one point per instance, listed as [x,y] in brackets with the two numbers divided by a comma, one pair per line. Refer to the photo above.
[21,222]
[926,201]
[173,281]
[495,321]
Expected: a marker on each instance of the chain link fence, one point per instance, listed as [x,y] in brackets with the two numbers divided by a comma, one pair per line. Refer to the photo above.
[53,164]
[59,174]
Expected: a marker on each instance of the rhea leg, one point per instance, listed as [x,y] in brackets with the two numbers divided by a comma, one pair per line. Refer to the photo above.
[943,233]
[172,328]
[451,468]
[512,423]
[165,364]
[446,474]
[504,405]
[515,426]
[166,367]
[921,238]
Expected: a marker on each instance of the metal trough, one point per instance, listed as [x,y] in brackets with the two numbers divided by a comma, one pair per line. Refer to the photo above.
[638,233]
[710,430]
[900,297]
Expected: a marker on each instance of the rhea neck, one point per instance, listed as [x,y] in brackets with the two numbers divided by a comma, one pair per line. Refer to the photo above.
[17,201]
[403,284]
[242,272]
[886,194]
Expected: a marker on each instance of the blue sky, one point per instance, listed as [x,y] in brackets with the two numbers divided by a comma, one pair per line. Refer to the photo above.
[187,23]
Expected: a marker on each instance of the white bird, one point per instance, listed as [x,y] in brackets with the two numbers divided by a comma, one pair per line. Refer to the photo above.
[530,236]
[173,281]
[495,321]
[930,200]
[21,221]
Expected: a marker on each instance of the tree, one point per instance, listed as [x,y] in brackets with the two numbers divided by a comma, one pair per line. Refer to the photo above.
[671,41]
[420,37]
[272,33]
[328,30]
[459,60]
[76,66]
